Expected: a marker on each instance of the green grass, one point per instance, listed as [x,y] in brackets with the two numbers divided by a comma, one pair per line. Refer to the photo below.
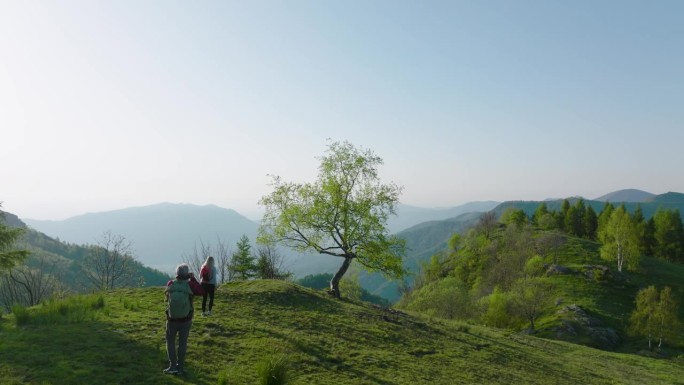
[323,341]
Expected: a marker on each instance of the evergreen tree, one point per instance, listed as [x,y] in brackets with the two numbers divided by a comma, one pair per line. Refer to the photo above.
[669,235]
[10,257]
[590,222]
[648,241]
[539,213]
[242,263]
[638,215]
[574,217]
[562,214]
[269,264]
[641,227]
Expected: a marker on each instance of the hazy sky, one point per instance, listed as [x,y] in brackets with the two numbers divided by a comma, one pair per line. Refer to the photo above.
[111,104]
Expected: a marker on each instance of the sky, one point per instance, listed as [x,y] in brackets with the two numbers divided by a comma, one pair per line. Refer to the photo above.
[112,104]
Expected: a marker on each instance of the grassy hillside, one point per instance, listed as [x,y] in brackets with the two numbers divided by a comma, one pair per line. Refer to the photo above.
[585,299]
[118,337]
[62,266]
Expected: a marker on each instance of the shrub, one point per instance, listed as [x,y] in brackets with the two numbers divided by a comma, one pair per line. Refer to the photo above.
[21,315]
[223,378]
[71,310]
[273,371]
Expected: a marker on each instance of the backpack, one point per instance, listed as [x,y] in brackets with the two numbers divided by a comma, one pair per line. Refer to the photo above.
[179,299]
[205,274]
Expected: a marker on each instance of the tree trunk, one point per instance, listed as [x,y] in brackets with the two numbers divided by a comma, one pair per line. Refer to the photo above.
[335,281]
[619,257]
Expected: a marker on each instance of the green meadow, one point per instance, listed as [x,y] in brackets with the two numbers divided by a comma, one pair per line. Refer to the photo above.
[118,338]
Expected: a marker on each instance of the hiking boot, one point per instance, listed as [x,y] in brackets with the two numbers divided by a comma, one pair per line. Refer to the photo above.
[172,369]
[209,312]
[179,370]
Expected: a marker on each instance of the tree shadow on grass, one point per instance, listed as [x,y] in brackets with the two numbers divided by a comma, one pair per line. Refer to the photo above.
[89,352]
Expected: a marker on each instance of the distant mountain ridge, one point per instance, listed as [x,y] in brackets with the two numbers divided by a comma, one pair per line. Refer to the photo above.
[649,206]
[627,195]
[408,216]
[163,232]
[160,234]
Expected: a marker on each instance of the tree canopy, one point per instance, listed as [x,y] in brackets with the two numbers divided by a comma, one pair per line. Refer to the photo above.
[342,213]
[10,257]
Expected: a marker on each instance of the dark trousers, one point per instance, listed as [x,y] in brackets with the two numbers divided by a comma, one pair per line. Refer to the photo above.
[183,330]
[208,292]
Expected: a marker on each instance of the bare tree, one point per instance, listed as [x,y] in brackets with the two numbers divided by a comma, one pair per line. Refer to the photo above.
[487,223]
[29,286]
[549,243]
[222,255]
[270,263]
[108,263]
[196,258]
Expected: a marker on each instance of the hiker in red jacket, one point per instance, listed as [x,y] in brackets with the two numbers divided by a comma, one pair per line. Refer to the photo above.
[179,294]
[208,274]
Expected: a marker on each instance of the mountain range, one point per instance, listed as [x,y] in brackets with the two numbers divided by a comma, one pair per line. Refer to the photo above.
[164,233]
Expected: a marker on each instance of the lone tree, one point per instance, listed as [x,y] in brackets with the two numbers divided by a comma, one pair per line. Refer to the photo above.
[343,214]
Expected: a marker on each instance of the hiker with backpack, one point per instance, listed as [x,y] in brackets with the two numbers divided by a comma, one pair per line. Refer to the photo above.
[179,294]
[208,274]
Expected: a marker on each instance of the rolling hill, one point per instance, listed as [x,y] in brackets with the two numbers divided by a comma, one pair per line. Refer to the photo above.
[119,339]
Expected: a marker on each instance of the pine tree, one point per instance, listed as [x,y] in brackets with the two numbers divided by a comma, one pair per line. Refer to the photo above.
[590,222]
[9,257]
[669,235]
[243,262]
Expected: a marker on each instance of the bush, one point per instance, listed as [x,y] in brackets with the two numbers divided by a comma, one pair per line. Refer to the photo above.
[273,371]
[75,309]
[223,378]
[21,315]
